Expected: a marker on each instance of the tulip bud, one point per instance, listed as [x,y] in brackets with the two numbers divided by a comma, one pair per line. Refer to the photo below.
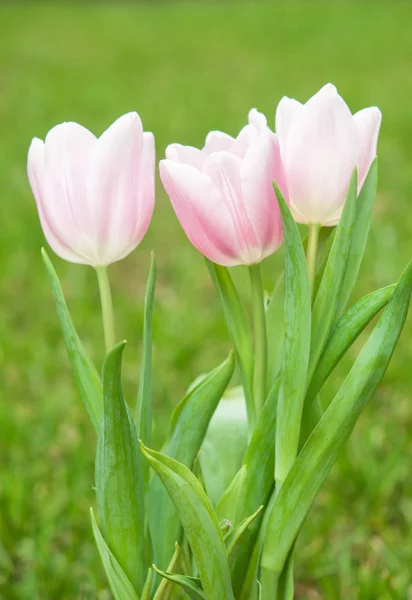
[95,197]
[223,194]
[321,143]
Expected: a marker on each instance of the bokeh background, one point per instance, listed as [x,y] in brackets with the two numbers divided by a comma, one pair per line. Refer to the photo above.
[187,68]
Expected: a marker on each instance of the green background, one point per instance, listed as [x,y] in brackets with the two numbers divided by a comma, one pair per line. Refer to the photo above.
[187,68]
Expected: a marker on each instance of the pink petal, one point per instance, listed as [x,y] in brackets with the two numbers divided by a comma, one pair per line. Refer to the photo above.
[35,168]
[201,212]
[247,136]
[217,141]
[223,168]
[286,112]
[186,155]
[260,167]
[113,188]
[368,122]
[258,120]
[321,153]
[67,158]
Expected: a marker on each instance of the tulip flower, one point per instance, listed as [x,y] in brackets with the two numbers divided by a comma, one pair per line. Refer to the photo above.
[95,196]
[321,143]
[223,194]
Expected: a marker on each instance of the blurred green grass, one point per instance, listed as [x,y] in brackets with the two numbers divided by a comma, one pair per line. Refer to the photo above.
[187,68]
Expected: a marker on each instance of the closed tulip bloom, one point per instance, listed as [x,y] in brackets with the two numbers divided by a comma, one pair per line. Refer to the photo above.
[321,143]
[223,194]
[95,196]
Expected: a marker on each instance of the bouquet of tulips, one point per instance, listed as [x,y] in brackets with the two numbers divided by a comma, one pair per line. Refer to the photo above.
[214,515]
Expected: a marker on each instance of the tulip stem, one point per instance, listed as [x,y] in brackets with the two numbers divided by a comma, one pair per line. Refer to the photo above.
[107,307]
[259,326]
[311,254]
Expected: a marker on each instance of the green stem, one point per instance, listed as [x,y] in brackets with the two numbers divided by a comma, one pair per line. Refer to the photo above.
[107,307]
[259,325]
[238,328]
[312,253]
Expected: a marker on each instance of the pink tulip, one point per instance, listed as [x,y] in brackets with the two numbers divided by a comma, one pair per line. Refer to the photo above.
[321,142]
[95,197]
[223,194]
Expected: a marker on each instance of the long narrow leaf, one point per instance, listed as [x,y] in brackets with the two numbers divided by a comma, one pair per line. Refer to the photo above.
[143,418]
[297,315]
[119,584]
[294,499]
[191,585]
[327,298]
[143,406]
[199,522]
[87,379]
[256,487]
[189,425]
[359,237]
[119,481]
[346,331]
[238,328]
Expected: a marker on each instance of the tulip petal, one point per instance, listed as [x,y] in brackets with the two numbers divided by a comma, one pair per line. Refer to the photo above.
[368,122]
[258,120]
[201,212]
[217,141]
[320,155]
[286,112]
[247,136]
[260,167]
[186,154]
[224,170]
[112,189]
[36,174]
[67,157]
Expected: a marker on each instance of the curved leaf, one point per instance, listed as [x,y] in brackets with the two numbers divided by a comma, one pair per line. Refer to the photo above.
[346,331]
[87,379]
[297,316]
[359,236]
[119,584]
[292,502]
[327,297]
[189,425]
[191,585]
[199,522]
[119,481]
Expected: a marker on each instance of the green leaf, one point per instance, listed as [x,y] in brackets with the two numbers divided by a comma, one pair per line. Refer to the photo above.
[143,418]
[275,326]
[199,522]
[191,585]
[162,592]
[236,535]
[256,488]
[286,585]
[294,499]
[228,505]
[297,316]
[346,331]
[327,297]
[359,236]
[119,584]
[189,425]
[147,590]
[225,444]
[87,379]
[119,482]
[144,399]
[238,329]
